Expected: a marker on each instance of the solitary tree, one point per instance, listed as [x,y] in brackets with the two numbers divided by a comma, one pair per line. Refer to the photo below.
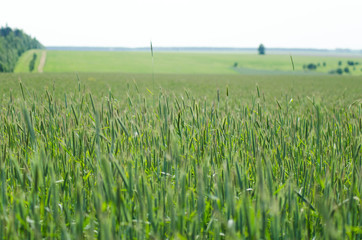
[261,49]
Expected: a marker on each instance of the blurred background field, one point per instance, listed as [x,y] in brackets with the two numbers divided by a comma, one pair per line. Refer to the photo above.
[192,62]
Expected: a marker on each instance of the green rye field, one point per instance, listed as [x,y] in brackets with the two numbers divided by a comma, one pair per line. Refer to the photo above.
[179,156]
[107,145]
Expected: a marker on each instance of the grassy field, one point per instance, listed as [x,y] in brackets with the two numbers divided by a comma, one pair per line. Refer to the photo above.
[332,90]
[23,63]
[183,156]
[186,63]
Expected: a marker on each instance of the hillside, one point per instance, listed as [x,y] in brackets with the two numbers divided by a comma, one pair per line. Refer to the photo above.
[13,43]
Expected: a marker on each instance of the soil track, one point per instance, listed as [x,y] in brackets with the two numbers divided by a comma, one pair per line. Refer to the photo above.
[42,61]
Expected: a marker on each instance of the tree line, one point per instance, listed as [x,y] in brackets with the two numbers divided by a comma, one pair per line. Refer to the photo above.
[13,43]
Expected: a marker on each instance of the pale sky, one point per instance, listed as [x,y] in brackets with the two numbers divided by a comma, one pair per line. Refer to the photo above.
[327,24]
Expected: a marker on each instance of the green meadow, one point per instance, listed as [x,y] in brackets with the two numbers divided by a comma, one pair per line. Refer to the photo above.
[23,63]
[107,145]
[188,63]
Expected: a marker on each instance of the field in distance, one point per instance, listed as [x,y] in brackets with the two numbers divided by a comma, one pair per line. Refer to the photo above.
[191,63]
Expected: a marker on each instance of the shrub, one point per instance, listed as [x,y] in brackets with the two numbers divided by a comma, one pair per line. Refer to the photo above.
[312,66]
[339,71]
[350,63]
[32,63]
[346,70]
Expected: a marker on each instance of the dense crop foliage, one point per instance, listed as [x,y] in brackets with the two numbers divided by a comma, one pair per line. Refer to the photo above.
[142,164]
[13,43]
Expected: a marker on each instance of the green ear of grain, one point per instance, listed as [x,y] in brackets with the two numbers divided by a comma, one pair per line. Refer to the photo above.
[123,127]
[116,166]
[29,124]
[291,60]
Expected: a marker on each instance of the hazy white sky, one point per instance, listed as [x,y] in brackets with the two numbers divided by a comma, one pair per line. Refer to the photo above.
[225,23]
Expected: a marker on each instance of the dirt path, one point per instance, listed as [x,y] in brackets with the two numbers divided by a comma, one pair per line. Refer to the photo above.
[42,61]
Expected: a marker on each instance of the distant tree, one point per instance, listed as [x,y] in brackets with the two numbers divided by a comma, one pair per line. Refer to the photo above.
[5,31]
[261,49]
[324,64]
[350,63]
[339,63]
[235,64]
[311,66]
[346,70]
[339,71]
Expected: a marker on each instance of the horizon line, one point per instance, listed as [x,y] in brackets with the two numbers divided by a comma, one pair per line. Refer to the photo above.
[210,48]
